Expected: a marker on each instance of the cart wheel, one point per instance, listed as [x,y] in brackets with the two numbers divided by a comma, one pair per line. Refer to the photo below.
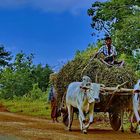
[115,120]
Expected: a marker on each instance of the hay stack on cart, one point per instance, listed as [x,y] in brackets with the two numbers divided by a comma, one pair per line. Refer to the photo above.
[98,72]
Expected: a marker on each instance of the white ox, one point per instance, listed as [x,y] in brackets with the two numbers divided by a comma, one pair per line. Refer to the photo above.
[82,95]
[136,106]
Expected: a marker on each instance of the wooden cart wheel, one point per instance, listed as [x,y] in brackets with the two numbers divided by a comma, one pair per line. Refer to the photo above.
[115,120]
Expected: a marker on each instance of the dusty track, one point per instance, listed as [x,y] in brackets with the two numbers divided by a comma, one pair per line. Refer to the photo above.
[32,128]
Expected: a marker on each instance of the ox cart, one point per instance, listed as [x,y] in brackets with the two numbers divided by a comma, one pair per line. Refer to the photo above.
[113,100]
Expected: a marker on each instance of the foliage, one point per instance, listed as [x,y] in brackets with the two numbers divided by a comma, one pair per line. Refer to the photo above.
[138,74]
[36,94]
[133,62]
[15,83]
[41,76]
[18,80]
[23,61]
[120,19]
[5,57]
[126,38]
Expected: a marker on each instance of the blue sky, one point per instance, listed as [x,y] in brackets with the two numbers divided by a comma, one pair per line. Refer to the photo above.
[51,29]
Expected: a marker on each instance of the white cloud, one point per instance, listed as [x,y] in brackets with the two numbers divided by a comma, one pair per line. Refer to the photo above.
[49,5]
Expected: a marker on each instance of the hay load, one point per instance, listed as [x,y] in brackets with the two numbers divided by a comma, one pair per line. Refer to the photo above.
[97,71]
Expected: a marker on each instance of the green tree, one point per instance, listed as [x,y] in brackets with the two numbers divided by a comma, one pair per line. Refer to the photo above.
[41,76]
[16,80]
[14,83]
[5,57]
[19,79]
[23,61]
[119,19]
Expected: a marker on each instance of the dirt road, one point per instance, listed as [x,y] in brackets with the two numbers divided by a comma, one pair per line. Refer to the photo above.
[32,128]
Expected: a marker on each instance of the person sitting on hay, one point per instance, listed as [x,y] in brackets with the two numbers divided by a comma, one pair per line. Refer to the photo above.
[109,51]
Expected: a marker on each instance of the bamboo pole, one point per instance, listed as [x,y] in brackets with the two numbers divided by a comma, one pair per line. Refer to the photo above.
[112,89]
[117,93]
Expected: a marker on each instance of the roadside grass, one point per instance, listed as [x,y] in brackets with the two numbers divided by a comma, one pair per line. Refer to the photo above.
[37,108]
